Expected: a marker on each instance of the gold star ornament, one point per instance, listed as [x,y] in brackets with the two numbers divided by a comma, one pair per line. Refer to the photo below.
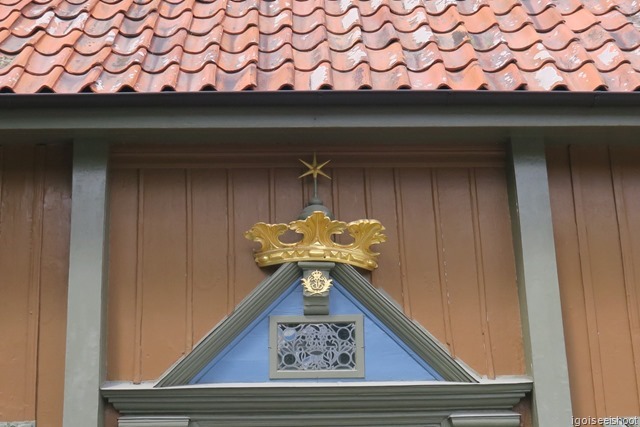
[314,168]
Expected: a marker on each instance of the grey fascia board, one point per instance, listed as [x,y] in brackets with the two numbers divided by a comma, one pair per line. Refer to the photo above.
[224,333]
[414,335]
[254,400]
[153,422]
[304,110]
[498,419]
[324,98]
[17,424]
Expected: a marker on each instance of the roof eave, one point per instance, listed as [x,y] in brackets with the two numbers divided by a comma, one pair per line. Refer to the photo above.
[324,98]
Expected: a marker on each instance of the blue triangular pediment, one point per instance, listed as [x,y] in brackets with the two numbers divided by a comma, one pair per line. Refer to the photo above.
[246,358]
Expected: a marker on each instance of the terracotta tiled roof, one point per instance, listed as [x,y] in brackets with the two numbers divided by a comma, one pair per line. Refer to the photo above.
[70,46]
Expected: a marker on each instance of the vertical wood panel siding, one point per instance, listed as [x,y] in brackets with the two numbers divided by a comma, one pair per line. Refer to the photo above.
[179,261]
[595,199]
[35,192]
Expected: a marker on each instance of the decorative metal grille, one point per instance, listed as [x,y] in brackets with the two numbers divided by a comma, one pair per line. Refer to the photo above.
[316,346]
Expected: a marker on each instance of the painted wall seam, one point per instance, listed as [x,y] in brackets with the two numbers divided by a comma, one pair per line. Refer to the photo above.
[442,272]
[137,344]
[231,249]
[189,251]
[538,286]
[482,292]
[84,369]
[35,282]
[402,249]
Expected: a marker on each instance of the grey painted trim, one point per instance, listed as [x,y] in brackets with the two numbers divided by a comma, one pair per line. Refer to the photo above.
[538,286]
[344,404]
[222,334]
[313,117]
[17,424]
[298,98]
[497,419]
[84,368]
[153,422]
[414,335]
[273,346]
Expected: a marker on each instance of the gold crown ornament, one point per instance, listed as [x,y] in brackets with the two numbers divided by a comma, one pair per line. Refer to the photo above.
[318,227]
[317,244]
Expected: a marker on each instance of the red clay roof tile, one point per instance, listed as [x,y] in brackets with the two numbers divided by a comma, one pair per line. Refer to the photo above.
[70,46]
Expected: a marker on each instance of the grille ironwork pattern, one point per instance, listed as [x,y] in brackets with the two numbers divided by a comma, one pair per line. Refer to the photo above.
[316,346]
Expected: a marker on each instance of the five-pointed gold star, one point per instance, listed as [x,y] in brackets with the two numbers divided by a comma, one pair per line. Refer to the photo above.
[314,168]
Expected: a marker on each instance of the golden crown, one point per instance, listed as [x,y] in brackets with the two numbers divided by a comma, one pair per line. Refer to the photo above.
[317,244]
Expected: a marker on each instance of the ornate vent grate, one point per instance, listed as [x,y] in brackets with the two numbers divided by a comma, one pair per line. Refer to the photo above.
[316,346]
[320,346]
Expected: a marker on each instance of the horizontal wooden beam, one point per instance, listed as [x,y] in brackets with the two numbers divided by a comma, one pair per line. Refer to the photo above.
[314,117]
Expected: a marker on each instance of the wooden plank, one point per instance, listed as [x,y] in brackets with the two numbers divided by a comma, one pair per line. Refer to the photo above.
[442,271]
[35,276]
[604,280]
[231,243]
[481,281]
[54,278]
[421,256]
[34,226]
[626,182]
[383,197]
[163,268]
[589,298]
[349,197]
[343,156]
[349,185]
[122,326]
[210,228]
[402,246]
[460,269]
[250,204]
[188,312]
[574,310]
[15,254]
[287,197]
[501,291]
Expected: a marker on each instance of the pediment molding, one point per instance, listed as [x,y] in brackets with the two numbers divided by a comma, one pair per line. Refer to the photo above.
[422,404]
[462,399]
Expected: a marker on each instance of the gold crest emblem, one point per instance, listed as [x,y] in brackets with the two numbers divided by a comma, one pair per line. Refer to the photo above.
[316,283]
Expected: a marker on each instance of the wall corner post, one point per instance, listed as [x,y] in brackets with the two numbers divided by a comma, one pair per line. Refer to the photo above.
[84,363]
[538,286]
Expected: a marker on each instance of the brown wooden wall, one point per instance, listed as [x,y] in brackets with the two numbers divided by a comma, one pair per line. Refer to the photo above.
[179,262]
[595,195]
[35,191]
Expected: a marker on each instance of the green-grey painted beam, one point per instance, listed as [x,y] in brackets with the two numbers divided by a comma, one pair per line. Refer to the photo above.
[192,114]
[413,404]
[538,287]
[84,369]
[314,117]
